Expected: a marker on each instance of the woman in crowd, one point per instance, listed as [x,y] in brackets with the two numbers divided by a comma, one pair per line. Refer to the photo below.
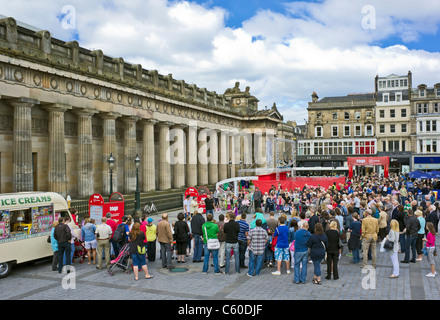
[317,243]
[333,237]
[393,237]
[137,251]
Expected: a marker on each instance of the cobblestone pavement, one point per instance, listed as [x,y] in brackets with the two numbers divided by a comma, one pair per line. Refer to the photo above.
[38,282]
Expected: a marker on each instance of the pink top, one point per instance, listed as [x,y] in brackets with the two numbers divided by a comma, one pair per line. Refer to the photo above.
[430,240]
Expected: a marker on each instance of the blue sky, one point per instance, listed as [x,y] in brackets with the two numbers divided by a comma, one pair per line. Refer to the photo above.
[283,50]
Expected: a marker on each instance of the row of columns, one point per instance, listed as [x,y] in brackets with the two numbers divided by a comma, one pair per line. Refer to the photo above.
[184,158]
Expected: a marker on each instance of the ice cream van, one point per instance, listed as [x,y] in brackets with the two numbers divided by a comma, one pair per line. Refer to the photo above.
[26,220]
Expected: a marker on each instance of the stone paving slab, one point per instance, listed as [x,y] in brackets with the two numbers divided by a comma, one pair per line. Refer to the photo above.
[38,282]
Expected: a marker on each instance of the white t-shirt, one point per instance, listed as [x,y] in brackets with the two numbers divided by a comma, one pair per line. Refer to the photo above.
[187,205]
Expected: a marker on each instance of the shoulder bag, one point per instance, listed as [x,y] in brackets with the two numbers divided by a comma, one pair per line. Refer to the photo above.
[213,244]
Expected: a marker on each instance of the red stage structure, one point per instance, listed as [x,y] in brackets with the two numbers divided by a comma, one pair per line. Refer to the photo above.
[265,182]
[368,161]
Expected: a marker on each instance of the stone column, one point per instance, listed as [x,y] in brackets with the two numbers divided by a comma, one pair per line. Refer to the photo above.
[22,175]
[85,153]
[213,157]
[164,156]
[260,148]
[129,154]
[191,155]
[202,166]
[177,155]
[57,150]
[109,147]
[223,167]
[148,156]
[232,156]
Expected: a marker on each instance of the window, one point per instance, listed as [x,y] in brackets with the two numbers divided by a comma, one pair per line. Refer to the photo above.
[335,116]
[422,93]
[403,113]
[319,115]
[403,128]
[393,146]
[381,113]
[357,131]
[428,126]
[368,114]
[421,126]
[369,130]
[357,115]
[398,97]
[403,145]
[384,146]
[382,128]
[347,115]
[346,131]
[392,128]
[335,132]
[437,92]
[386,97]
[435,107]
[392,113]
[422,108]
[318,131]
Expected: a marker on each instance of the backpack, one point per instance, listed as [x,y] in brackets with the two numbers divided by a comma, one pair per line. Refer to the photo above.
[119,235]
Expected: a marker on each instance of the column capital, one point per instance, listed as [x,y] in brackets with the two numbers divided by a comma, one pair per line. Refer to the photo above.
[56,107]
[85,112]
[165,123]
[130,118]
[179,126]
[149,121]
[23,102]
[110,115]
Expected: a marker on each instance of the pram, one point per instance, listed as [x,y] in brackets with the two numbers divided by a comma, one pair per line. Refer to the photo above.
[122,261]
[80,251]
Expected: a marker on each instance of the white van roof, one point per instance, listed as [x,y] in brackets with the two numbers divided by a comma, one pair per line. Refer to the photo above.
[32,199]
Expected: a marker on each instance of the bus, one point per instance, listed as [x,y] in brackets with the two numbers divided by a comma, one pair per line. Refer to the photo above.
[26,220]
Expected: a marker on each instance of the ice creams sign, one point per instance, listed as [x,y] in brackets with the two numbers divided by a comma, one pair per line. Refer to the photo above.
[25,200]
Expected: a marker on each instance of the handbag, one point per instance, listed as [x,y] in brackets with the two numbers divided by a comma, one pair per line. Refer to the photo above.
[388,245]
[212,244]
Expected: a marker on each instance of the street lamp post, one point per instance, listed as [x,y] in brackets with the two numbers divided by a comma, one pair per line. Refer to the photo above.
[137,196]
[111,165]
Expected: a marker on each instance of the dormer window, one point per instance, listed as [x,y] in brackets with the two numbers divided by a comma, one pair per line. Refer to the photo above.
[422,93]
[386,97]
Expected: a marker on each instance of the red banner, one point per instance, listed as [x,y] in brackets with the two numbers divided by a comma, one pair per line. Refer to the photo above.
[368,161]
[299,182]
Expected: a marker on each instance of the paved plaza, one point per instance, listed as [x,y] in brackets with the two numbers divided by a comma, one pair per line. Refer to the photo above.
[38,282]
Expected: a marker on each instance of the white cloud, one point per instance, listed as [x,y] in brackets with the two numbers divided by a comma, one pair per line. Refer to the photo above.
[284,57]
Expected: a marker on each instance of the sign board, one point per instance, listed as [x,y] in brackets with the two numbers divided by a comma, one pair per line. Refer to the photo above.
[202,195]
[98,208]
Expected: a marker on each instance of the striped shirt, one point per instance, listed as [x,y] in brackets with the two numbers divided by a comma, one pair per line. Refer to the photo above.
[244,227]
[257,237]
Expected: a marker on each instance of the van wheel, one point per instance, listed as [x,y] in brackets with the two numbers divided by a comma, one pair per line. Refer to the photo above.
[5,269]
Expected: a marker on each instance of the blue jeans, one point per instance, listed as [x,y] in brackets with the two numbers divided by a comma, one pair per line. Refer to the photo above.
[64,250]
[402,240]
[356,257]
[198,247]
[228,247]
[410,243]
[255,263]
[214,259]
[300,267]
[242,246]
[317,267]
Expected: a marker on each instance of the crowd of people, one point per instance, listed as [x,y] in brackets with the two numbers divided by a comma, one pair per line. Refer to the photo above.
[287,227]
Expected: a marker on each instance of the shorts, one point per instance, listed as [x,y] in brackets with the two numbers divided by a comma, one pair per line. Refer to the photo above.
[138,260]
[431,255]
[91,244]
[282,254]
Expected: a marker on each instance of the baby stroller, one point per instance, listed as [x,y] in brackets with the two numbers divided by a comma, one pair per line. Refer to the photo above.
[121,261]
[80,251]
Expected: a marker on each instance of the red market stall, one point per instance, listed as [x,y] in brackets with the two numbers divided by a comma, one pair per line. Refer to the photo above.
[368,161]
[98,208]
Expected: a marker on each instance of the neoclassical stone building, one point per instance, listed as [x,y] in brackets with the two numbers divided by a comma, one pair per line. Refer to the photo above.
[64,109]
